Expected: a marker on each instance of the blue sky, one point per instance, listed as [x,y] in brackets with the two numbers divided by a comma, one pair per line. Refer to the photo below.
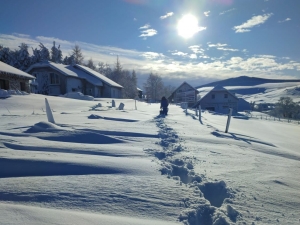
[233,38]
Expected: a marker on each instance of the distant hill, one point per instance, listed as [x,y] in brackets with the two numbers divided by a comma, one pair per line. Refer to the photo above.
[245,81]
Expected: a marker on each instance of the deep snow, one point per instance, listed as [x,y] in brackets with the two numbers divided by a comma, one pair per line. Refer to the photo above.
[100,165]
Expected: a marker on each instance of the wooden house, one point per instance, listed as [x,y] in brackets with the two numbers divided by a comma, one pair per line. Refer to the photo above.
[219,100]
[58,79]
[185,93]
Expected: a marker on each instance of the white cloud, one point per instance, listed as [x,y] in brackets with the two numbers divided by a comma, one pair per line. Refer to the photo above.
[218,45]
[227,11]
[266,56]
[206,13]
[282,21]
[134,19]
[193,56]
[167,15]
[228,49]
[196,49]
[146,26]
[254,21]
[21,35]
[173,69]
[179,53]
[152,55]
[148,33]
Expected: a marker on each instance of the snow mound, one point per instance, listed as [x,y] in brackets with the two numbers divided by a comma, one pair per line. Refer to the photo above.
[79,95]
[45,127]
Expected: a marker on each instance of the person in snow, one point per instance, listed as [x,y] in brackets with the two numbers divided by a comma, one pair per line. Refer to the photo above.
[164,106]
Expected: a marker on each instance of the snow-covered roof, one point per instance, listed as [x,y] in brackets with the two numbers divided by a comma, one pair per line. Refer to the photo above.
[98,75]
[68,70]
[180,86]
[139,89]
[5,68]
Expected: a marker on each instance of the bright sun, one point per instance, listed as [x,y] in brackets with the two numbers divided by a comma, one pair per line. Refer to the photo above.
[187,26]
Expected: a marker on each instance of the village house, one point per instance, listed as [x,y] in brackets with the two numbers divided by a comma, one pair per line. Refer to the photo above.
[59,79]
[14,79]
[185,93]
[219,100]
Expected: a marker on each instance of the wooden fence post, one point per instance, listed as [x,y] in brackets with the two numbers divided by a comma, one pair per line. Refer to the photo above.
[228,120]
[199,112]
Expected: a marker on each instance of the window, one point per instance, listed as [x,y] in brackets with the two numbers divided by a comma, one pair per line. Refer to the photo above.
[225,95]
[213,96]
[54,79]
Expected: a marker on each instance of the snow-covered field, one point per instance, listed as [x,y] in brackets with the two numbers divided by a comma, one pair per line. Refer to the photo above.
[263,93]
[100,165]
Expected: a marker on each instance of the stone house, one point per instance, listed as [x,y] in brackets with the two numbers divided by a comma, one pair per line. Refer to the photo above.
[12,78]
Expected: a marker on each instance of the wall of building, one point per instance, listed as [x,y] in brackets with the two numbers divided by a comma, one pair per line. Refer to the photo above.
[185,93]
[219,103]
[43,79]
[14,82]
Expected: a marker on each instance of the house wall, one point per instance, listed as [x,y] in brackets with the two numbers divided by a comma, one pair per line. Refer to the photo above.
[73,84]
[185,93]
[43,79]
[116,92]
[219,103]
[14,82]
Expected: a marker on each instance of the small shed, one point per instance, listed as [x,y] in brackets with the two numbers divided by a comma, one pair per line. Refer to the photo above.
[219,99]
[140,92]
[12,78]
[184,93]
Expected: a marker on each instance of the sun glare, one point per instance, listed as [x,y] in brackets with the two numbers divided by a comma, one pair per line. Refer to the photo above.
[187,26]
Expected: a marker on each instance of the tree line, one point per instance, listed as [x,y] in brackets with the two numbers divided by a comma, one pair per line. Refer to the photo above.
[286,108]
[20,58]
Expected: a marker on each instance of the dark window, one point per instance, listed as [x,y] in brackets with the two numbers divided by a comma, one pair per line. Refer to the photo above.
[54,79]
[213,96]
[225,95]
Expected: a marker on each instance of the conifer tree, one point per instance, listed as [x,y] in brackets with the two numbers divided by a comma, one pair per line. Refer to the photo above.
[77,54]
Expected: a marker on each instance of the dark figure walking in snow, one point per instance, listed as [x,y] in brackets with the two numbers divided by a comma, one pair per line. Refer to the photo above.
[164,106]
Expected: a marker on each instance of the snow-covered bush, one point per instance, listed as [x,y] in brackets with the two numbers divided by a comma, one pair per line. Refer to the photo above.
[79,95]
[3,93]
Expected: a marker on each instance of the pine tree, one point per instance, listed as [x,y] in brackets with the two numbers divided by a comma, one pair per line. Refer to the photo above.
[6,55]
[77,54]
[23,59]
[117,73]
[44,53]
[56,54]
[104,69]
[91,65]
[69,60]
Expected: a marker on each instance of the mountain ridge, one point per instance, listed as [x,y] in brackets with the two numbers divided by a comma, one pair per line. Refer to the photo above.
[246,81]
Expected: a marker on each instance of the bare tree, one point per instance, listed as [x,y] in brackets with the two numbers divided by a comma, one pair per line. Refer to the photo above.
[153,87]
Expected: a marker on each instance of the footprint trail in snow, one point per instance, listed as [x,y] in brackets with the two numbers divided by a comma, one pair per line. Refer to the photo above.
[210,204]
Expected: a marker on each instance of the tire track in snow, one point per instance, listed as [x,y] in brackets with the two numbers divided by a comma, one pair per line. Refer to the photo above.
[211,203]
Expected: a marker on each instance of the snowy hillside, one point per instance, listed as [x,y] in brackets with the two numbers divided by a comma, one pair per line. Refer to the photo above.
[263,93]
[100,165]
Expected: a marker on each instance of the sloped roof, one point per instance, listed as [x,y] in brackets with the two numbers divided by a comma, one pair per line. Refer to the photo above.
[215,89]
[5,68]
[68,70]
[98,75]
[180,86]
